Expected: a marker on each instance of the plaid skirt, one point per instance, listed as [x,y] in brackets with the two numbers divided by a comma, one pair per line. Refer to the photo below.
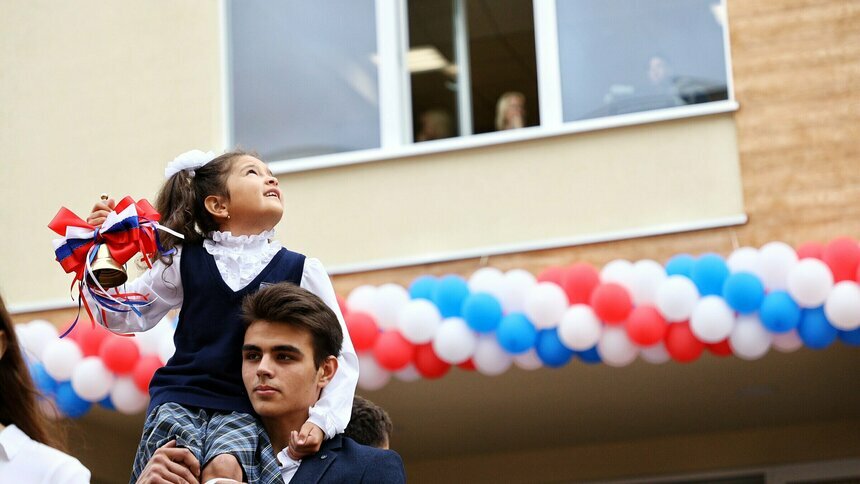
[209,433]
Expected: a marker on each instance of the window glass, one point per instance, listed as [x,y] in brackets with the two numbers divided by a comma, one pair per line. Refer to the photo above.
[623,56]
[303,76]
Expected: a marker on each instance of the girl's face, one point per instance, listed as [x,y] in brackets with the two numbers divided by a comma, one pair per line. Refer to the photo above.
[255,201]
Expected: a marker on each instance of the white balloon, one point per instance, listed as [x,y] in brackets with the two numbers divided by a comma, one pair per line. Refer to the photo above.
[647,277]
[514,288]
[615,347]
[619,271]
[22,333]
[40,333]
[776,259]
[91,380]
[580,328]
[490,359]
[676,298]
[125,396]
[487,279]
[528,360]
[712,319]
[842,307]
[545,304]
[371,376]
[418,321]
[362,298]
[389,301]
[149,341]
[745,259]
[408,374]
[655,354]
[454,342]
[787,342]
[809,283]
[60,358]
[749,339]
[166,349]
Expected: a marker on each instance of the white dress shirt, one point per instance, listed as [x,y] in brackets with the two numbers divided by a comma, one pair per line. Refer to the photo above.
[23,460]
[288,466]
[240,259]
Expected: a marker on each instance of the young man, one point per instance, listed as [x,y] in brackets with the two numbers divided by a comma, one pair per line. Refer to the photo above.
[289,355]
[369,424]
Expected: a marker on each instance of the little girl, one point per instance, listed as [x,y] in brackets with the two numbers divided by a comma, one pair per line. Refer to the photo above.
[226,207]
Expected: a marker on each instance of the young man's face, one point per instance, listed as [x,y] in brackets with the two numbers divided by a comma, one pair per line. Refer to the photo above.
[278,369]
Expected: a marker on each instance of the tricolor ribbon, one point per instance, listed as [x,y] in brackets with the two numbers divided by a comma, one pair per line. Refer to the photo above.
[131,228]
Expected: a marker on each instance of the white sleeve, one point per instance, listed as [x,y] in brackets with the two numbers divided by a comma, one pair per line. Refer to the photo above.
[332,411]
[162,285]
[70,471]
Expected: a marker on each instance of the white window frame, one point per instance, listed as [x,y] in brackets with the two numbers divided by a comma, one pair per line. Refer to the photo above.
[395,95]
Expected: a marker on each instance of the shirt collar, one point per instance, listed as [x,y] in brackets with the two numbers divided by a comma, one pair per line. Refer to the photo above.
[286,462]
[230,240]
[12,440]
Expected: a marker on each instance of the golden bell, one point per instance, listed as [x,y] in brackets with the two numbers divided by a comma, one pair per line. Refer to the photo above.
[106,270]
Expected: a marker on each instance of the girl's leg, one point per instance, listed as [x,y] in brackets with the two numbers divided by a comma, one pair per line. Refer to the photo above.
[224,466]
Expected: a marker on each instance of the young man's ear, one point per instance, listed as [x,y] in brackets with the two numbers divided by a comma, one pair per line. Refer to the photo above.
[217,206]
[327,370]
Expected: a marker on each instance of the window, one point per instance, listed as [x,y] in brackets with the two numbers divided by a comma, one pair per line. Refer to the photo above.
[623,56]
[303,78]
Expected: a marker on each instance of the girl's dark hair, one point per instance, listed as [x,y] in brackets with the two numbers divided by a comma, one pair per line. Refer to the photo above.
[19,397]
[180,201]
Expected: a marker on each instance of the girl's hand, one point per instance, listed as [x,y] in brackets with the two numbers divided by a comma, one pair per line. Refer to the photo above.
[100,212]
[306,442]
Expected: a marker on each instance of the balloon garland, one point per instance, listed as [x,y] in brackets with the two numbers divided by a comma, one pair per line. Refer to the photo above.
[744,305]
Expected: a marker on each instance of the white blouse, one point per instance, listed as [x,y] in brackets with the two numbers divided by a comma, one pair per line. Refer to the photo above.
[24,460]
[240,259]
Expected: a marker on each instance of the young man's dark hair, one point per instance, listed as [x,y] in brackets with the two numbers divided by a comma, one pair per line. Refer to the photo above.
[289,304]
[369,424]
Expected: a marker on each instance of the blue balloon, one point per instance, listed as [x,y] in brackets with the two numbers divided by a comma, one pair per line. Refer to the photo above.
[779,313]
[709,274]
[69,402]
[516,334]
[681,265]
[850,337]
[743,292]
[589,356]
[44,382]
[814,329]
[107,403]
[551,351]
[482,312]
[449,294]
[423,287]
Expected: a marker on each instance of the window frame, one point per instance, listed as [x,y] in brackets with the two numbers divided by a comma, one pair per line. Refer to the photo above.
[396,139]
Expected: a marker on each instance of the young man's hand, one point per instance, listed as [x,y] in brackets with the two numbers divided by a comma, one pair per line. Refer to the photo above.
[171,464]
[305,442]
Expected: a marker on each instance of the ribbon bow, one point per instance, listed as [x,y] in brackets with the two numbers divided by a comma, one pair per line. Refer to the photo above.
[131,228]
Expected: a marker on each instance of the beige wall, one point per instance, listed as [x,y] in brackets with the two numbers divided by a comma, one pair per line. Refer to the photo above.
[94,97]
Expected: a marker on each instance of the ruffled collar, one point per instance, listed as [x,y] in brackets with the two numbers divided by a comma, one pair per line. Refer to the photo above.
[229,240]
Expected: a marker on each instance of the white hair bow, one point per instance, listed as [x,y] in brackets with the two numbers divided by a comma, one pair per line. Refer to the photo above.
[190,160]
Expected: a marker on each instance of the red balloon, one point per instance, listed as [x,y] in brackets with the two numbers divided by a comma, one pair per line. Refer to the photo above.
[362,330]
[720,349]
[428,364]
[645,326]
[341,302]
[392,351]
[90,338]
[810,250]
[611,303]
[681,344]
[119,354]
[143,371]
[842,255]
[578,281]
[467,365]
[552,274]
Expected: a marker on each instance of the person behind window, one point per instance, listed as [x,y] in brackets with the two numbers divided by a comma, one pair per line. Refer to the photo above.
[369,424]
[661,83]
[28,441]
[511,111]
[435,124]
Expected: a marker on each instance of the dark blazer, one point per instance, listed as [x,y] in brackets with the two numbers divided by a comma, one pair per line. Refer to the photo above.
[341,459]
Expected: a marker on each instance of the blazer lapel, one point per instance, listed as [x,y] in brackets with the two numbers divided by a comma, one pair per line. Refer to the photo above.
[313,467]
